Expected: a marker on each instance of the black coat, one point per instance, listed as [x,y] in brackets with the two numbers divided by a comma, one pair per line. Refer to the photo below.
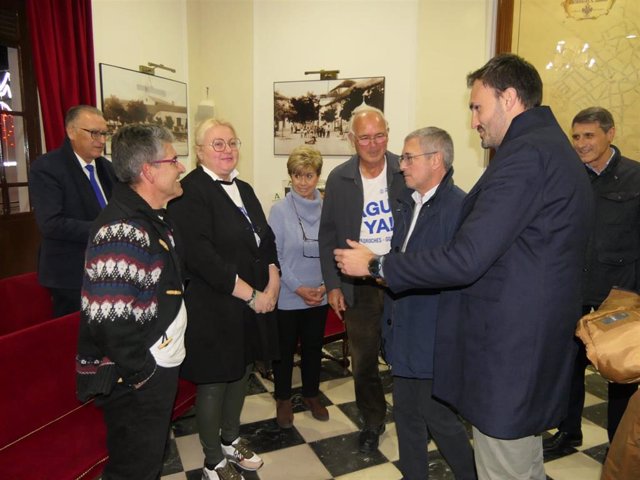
[504,343]
[65,206]
[613,252]
[223,334]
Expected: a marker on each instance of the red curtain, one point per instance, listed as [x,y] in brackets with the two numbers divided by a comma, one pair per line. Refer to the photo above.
[62,36]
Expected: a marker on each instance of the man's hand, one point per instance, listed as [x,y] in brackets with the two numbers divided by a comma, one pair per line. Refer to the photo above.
[336,300]
[354,261]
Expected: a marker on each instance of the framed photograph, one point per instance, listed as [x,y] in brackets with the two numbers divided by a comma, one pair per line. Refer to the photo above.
[317,112]
[129,96]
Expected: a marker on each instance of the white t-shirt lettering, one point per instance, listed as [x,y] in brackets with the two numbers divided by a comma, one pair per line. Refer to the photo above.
[376,228]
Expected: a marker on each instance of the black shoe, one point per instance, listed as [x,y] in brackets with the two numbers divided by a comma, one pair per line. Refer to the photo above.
[561,441]
[369,439]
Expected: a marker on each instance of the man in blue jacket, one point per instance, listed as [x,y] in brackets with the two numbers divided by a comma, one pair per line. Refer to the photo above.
[504,343]
[426,215]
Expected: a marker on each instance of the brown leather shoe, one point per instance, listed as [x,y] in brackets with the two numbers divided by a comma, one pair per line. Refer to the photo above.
[284,413]
[318,410]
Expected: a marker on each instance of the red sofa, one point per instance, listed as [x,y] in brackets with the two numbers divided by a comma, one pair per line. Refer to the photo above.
[44,431]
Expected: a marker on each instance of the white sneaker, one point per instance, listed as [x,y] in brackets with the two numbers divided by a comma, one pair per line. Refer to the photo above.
[223,471]
[242,456]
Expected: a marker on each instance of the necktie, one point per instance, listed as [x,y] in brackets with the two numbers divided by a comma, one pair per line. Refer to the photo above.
[95,186]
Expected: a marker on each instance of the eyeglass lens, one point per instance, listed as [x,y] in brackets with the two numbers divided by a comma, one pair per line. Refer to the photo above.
[218,144]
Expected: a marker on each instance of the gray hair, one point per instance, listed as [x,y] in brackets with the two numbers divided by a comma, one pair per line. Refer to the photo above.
[364,108]
[595,114]
[434,138]
[134,145]
[74,112]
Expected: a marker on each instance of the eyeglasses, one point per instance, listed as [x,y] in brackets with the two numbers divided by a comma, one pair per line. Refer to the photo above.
[218,144]
[378,138]
[172,161]
[310,246]
[408,158]
[97,134]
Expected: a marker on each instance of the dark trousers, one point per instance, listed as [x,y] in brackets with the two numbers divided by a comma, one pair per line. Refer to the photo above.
[138,426]
[306,325]
[417,414]
[65,301]
[618,395]
[362,320]
[218,410]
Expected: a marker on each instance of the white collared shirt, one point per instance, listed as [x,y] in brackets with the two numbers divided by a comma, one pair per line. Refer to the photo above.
[419,200]
[86,172]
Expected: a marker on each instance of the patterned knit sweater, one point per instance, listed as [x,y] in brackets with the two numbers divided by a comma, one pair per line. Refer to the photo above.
[132,288]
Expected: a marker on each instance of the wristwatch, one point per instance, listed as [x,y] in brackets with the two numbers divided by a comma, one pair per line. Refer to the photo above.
[252,300]
[375,267]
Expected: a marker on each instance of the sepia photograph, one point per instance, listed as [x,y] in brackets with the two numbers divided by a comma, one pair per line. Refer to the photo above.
[317,112]
[129,96]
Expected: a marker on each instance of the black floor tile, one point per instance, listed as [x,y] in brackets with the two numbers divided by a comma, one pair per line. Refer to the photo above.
[172,462]
[350,409]
[186,424]
[438,467]
[267,436]
[597,414]
[548,457]
[596,385]
[194,474]
[331,370]
[255,385]
[340,454]
[598,453]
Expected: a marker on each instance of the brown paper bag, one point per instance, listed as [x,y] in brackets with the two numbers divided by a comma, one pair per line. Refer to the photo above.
[611,335]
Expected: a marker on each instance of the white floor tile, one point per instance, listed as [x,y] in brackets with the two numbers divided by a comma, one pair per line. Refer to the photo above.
[389,443]
[190,452]
[299,462]
[386,471]
[258,407]
[573,467]
[313,430]
[592,435]
[339,390]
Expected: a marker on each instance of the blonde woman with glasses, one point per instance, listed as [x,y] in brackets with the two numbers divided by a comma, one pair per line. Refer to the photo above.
[232,267]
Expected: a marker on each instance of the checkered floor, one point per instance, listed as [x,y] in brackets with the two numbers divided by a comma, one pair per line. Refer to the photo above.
[314,450]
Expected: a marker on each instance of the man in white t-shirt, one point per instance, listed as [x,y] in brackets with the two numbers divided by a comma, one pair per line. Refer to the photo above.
[358,204]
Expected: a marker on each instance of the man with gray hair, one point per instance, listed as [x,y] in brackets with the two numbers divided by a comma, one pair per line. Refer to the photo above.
[505,342]
[356,205]
[427,216]
[133,318]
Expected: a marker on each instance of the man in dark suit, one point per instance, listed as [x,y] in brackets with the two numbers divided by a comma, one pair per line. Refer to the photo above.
[504,342]
[611,258]
[69,186]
